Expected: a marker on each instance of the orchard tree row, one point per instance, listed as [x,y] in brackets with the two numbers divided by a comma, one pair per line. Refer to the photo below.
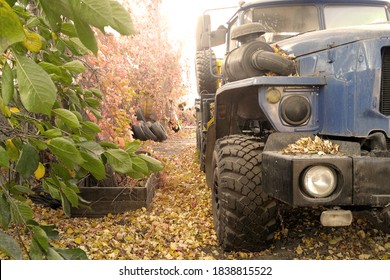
[141,71]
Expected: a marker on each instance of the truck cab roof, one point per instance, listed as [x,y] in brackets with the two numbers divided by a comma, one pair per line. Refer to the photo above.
[270,2]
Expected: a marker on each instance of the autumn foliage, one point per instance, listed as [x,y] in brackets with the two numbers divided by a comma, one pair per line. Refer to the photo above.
[140,71]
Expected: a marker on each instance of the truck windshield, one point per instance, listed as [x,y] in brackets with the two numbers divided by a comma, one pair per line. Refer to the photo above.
[283,22]
[343,16]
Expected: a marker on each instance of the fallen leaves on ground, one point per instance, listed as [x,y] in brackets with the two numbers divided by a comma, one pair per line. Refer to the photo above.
[307,145]
[179,225]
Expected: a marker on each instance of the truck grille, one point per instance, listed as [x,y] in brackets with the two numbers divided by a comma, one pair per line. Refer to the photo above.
[385,94]
[385,88]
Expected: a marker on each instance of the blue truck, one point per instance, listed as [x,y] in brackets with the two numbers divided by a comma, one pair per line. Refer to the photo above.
[295,75]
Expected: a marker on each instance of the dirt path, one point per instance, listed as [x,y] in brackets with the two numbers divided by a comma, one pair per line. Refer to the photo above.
[175,145]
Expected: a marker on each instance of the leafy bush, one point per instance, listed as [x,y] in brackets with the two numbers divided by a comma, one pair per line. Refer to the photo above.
[46,137]
[150,77]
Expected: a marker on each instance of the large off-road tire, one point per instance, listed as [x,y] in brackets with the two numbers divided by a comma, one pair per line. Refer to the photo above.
[205,81]
[245,217]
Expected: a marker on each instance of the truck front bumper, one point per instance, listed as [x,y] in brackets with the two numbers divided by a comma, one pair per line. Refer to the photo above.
[360,180]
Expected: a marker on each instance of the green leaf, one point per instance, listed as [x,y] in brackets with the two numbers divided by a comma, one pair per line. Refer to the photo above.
[32,22]
[139,165]
[5,211]
[91,126]
[121,19]
[109,145]
[51,13]
[53,255]
[28,161]
[66,205]
[11,2]
[23,212]
[4,160]
[51,231]
[10,247]
[133,146]
[93,12]
[92,102]
[50,68]
[96,92]
[37,91]
[40,236]
[75,66]
[92,147]
[52,189]
[57,73]
[86,35]
[7,86]
[11,28]
[153,164]
[76,46]
[71,196]
[68,29]
[72,186]
[39,144]
[67,117]
[21,189]
[36,252]
[96,113]
[72,254]
[135,175]
[65,150]
[78,115]
[119,160]
[94,165]
[52,133]
[73,97]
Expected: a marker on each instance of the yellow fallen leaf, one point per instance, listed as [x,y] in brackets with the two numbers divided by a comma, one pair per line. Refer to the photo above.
[69,231]
[77,240]
[14,110]
[299,250]
[364,256]
[39,172]
[335,241]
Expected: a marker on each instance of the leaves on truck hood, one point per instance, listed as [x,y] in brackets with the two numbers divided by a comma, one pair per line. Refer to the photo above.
[308,145]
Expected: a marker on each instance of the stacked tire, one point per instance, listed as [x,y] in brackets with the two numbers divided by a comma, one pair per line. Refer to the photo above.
[154,131]
[147,130]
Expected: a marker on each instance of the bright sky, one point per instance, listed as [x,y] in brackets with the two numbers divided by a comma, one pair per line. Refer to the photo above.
[182,17]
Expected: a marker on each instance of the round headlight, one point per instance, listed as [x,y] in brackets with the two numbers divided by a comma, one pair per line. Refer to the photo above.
[296,110]
[319,181]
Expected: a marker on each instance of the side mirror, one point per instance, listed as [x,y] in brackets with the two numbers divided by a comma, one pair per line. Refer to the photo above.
[205,38]
[218,37]
[203,30]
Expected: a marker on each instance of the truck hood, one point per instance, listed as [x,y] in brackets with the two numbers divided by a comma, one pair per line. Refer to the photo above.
[316,41]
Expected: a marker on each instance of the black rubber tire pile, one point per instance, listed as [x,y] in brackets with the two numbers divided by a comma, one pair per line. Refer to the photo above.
[148,130]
